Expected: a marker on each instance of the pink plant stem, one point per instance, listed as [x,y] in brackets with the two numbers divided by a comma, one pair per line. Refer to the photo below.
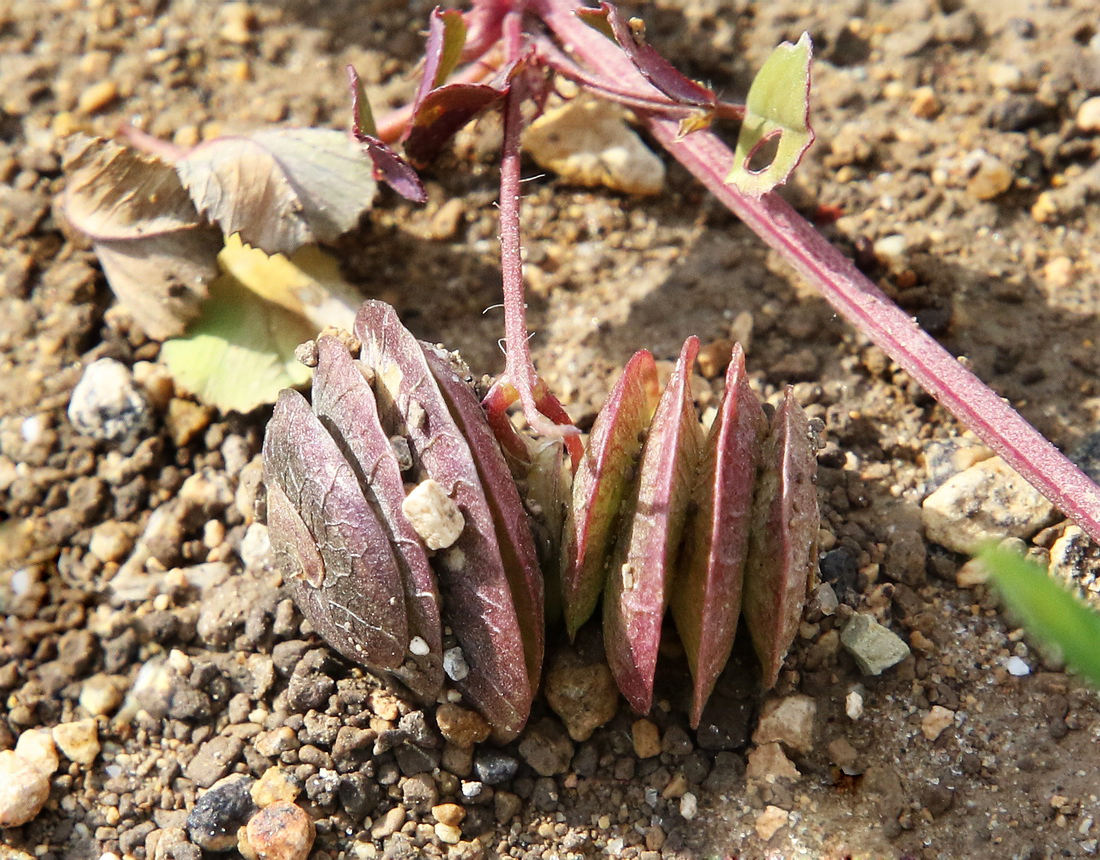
[519,370]
[853,295]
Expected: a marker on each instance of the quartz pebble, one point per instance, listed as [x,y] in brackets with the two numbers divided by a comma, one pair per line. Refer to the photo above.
[853,704]
[1017,667]
[281,831]
[107,404]
[933,723]
[433,514]
[78,740]
[1088,115]
[988,501]
[23,790]
[689,806]
[788,721]
[874,647]
[36,746]
[100,695]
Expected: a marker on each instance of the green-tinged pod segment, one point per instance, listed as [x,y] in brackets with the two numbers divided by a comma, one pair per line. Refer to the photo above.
[490,667]
[602,485]
[637,590]
[344,403]
[782,538]
[329,542]
[706,594]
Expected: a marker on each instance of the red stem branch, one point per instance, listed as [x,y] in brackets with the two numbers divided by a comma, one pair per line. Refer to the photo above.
[853,295]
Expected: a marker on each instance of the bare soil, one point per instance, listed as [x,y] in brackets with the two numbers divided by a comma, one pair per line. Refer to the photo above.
[949,125]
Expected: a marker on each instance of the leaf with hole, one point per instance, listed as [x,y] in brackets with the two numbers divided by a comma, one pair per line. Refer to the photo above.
[777,114]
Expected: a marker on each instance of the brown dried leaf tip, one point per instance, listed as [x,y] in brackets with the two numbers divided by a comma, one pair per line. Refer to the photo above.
[398,524]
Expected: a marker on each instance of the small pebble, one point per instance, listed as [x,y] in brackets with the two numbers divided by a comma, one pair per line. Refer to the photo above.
[935,721]
[454,664]
[588,143]
[988,501]
[581,690]
[689,806]
[646,737]
[23,790]
[992,179]
[219,812]
[449,813]
[282,831]
[275,786]
[874,647]
[106,404]
[853,705]
[788,721]
[36,746]
[460,726]
[768,764]
[100,695]
[925,105]
[494,768]
[448,834]
[770,821]
[433,514]
[97,97]
[1088,115]
[78,740]
[1017,667]
[111,541]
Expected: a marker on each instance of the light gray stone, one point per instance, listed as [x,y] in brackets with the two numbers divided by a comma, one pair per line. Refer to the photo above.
[874,647]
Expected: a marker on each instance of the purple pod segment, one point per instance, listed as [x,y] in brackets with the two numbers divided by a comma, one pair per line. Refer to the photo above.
[706,593]
[344,402]
[602,486]
[517,546]
[638,580]
[782,538]
[328,541]
[477,598]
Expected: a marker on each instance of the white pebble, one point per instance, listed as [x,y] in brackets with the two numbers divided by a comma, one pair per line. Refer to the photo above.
[36,746]
[433,514]
[853,705]
[418,647]
[23,790]
[689,806]
[455,665]
[106,404]
[1017,667]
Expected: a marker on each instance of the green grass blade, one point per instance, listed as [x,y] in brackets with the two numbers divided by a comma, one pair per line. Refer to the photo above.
[1048,610]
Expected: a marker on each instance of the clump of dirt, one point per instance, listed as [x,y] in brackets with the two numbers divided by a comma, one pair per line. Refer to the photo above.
[955,160]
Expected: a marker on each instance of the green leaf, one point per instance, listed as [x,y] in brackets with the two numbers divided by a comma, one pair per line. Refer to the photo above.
[1049,611]
[778,106]
[240,352]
